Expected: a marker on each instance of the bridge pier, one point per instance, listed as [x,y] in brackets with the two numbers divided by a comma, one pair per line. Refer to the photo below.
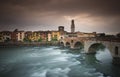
[86,47]
[116,60]
[72,46]
[116,56]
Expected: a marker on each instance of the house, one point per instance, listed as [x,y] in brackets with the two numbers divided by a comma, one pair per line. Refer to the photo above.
[55,35]
[5,36]
[35,36]
[20,36]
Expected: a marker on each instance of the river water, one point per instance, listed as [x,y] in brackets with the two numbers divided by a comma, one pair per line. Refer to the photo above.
[54,61]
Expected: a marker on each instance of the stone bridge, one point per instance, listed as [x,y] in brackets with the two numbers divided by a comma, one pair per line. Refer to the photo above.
[89,45]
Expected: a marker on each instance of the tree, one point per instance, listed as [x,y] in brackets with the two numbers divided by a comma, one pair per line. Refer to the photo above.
[26,40]
[16,30]
[54,39]
[40,39]
[118,35]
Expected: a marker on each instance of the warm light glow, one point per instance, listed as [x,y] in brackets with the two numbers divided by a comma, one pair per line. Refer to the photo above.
[70,17]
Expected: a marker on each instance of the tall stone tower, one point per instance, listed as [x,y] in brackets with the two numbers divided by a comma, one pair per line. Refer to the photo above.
[62,32]
[72,26]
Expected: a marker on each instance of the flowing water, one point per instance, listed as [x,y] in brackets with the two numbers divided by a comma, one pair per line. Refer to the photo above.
[53,61]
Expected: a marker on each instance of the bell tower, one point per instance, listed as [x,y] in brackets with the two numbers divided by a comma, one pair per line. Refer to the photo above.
[72,26]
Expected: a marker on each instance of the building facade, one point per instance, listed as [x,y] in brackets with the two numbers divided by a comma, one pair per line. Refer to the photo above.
[55,35]
[20,36]
[62,32]
[35,36]
[28,36]
[5,36]
[49,36]
[82,34]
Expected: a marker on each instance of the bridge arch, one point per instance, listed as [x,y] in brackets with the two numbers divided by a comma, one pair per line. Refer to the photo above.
[67,44]
[72,41]
[78,45]
[95,47]
[62,43]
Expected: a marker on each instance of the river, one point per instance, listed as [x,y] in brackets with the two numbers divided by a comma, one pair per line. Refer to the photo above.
[54,61]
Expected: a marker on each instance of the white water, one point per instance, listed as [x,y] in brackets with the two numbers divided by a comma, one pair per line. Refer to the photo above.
[51,62]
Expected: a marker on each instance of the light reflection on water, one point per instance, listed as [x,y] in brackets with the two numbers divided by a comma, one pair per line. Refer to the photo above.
[53,61]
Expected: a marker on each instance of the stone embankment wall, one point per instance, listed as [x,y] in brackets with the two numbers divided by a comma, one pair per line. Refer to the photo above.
[53,43]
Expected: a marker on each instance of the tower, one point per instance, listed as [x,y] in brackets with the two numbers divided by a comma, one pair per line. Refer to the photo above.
[62,32]
[72,26]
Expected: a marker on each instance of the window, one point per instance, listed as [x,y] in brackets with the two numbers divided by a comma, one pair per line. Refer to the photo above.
[116,51]
[71,41]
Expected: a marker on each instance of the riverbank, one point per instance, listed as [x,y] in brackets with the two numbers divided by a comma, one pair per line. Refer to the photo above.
[53,43]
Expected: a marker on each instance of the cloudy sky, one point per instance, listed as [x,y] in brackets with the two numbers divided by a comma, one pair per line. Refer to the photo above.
[89,15]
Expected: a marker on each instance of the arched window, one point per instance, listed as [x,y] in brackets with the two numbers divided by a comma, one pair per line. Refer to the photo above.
[78,45]
[116,51]
[61,37]
[71,41]
[67,44]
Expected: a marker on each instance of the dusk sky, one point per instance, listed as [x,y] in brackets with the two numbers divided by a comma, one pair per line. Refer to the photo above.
[89,15]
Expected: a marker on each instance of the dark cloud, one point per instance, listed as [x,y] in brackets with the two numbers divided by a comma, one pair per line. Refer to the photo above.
[39,12]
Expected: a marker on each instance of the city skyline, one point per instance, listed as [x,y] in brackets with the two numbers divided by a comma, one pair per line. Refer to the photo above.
[89,16]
